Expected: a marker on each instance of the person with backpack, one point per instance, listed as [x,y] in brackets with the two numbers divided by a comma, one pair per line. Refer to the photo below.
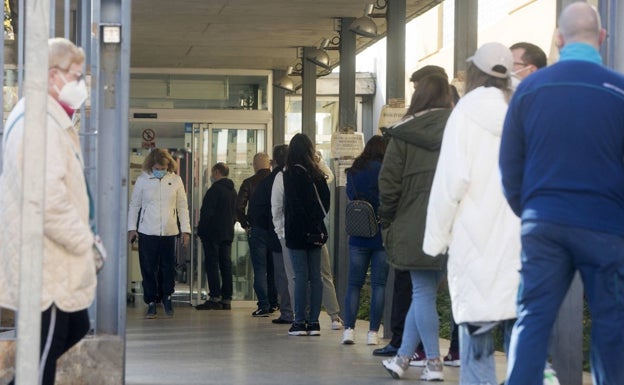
[365,250]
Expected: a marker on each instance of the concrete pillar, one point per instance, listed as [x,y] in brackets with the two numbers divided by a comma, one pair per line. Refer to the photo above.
[613,48]
[279,111]
[110,71]
[33,191]
[308,99]
[347,117]
[395,88]
[466,28]
[395,50]
[346,96]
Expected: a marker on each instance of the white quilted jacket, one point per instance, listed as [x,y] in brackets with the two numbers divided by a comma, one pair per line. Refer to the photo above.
[69,278]
[469,216]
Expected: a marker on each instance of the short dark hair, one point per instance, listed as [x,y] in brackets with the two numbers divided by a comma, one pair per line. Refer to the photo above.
[532,54]
[279,155]
[223,169]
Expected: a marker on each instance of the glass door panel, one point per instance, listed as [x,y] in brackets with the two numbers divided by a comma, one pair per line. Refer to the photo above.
[235,145]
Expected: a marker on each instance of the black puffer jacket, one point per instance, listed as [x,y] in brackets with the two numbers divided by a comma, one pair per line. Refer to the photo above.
[302,210]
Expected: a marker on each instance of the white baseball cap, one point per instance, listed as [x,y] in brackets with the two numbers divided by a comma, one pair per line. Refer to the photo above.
[495,59]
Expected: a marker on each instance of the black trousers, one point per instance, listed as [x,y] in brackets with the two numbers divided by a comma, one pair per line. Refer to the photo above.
[157,260]
[59,332]
[401,301]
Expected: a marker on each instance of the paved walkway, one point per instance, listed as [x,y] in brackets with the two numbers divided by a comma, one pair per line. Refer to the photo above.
[231,347]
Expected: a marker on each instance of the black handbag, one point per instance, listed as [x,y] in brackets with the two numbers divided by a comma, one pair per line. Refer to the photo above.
[360,218]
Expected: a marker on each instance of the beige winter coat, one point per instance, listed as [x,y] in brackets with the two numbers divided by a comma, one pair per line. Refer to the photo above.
[69,278]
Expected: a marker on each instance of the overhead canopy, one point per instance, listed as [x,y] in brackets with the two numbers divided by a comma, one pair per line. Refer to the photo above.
[250,34]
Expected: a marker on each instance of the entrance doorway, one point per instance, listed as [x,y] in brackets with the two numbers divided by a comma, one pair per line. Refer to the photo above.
[197,146]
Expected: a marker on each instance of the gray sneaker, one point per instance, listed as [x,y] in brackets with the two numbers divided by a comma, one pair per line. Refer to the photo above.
[151,310]
[396,366]
[433,371]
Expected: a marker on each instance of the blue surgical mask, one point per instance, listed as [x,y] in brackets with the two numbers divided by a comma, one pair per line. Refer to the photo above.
[159,173]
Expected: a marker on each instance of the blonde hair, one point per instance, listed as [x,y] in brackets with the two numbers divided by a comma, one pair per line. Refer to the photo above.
[159,156]
[62,53]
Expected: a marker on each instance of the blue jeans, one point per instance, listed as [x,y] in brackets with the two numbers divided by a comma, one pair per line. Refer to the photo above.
[551,254]
[262,262]
[307,267]
[157,261]
[421,322]
[477,355]
[359,260]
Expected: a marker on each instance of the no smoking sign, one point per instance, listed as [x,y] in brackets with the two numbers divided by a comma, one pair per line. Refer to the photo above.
[148,138]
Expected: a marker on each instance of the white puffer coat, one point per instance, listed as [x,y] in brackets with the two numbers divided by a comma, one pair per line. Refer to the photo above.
[469,215]
[69,278]
[157,205]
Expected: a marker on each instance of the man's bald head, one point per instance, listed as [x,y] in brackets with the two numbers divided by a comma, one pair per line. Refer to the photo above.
[261,161]
[580,23]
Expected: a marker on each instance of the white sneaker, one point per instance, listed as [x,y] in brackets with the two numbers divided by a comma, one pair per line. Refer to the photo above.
[418,359]
[348,337]
[337,324]
[396,366]
[372,338]
[433,371]
[550,376]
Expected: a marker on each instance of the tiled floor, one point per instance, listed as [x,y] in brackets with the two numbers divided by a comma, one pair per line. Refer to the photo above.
[231,347]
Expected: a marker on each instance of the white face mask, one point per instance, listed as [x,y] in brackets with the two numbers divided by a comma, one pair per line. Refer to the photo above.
[73,93]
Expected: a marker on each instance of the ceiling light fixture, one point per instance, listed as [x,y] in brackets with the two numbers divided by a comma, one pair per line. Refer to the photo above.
[319,56]
[365,26]
[286,82]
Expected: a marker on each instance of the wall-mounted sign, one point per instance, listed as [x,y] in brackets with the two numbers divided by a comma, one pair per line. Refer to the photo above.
[148,136]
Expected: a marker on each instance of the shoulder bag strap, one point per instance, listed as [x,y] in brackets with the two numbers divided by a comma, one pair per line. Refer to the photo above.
[318,197]
[354,189]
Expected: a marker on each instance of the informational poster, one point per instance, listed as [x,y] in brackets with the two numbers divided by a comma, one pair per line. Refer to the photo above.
[345,147]
[340,165]
[390,115]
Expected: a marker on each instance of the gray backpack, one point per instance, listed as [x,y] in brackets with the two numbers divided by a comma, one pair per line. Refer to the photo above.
[360,218]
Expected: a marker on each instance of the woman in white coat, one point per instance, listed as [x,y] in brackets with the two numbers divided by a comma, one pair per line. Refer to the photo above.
[468,215]
[158,213]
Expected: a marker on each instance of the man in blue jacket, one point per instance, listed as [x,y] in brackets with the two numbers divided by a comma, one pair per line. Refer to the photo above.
[562,165]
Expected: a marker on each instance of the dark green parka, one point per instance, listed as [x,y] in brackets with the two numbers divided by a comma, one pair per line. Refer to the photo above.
[404,185]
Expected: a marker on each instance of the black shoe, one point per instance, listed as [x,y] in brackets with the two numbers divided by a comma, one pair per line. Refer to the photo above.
[261,313]
[151,311]
[298,330]
[386,351]
[274,308]
[209,305]
[226,306]
[167,306]
[314,329]
[281,321]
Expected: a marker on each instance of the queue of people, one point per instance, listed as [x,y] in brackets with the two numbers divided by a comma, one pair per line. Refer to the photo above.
[508,248]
